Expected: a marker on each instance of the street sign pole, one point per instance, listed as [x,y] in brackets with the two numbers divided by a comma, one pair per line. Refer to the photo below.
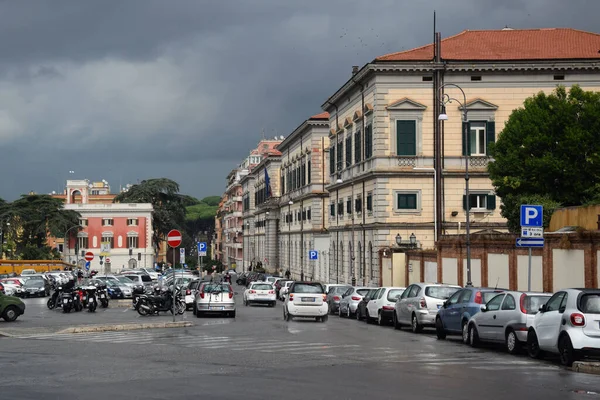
[529,273]
[532,232]
[173,301]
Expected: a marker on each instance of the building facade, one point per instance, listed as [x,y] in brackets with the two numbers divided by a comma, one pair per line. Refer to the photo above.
[397,171]
[232,220]
[126,228]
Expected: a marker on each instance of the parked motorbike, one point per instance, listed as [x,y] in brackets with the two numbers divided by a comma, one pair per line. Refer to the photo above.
[102,294]
[54,300]
[153,304]
[91,300]
[138,291]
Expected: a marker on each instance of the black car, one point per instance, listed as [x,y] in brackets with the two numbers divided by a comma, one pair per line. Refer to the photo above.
[361,309]
[36,286]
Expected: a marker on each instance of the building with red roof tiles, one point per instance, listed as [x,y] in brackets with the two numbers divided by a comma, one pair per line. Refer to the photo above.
[397,171]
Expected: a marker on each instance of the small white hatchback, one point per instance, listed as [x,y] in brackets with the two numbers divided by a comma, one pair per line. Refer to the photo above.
[306,299]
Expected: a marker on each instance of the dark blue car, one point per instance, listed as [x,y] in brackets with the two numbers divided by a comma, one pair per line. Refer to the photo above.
[454,314]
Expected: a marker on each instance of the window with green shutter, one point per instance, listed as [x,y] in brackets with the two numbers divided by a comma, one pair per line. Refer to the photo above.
[332,209]
[357,147]
[349,206]
[480,201]
[369,202]
[480,135]
[406,138]
[308,172]
[348,151]
[368,142]
[406,201]
[332,159]
[340,155]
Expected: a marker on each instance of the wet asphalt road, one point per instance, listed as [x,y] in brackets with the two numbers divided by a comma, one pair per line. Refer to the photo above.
[259,356]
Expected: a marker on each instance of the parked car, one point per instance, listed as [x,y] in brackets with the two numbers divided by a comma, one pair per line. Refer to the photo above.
[28,272]
[361,308]
[11,307]
[455,313]
[214,298]
[505,318]
[419,304]
[12,286]
[306,299]
[279,284]
[36,285]
[567,325]
[284,290]
[350,299]
[190,293]
[260,293]
[334,295]
[381,305]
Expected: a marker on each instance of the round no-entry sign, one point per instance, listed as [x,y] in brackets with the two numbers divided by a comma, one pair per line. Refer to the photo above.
[89,256]
[174,238]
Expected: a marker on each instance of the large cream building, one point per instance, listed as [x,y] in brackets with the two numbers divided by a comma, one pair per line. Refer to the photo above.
[396,169]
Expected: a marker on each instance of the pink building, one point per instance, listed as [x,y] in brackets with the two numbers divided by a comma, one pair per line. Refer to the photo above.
[121,230]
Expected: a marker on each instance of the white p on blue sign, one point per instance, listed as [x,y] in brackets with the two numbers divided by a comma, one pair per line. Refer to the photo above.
[313,255]
[532,215]
[202,249]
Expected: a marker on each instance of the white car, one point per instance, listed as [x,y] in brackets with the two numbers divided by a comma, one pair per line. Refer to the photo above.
[260,293]
[567,325]
[12,286]
[306,299]
[214,298]
[381,305]
[284,290]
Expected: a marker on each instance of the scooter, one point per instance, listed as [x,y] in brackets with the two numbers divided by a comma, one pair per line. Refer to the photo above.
[102,294]
[66,300]
[148,305]
[92,302]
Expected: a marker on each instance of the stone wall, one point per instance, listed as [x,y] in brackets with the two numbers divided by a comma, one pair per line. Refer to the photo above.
[567,260]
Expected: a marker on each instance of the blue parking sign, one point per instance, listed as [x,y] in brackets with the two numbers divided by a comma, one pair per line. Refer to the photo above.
[313,255]
[532,216]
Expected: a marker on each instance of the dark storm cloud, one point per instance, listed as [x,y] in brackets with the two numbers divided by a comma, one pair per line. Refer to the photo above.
[126,90]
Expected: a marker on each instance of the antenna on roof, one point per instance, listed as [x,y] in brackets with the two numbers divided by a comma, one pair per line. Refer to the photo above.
[263,134]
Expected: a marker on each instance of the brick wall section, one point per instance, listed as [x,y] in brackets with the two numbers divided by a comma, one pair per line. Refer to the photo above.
[503,243]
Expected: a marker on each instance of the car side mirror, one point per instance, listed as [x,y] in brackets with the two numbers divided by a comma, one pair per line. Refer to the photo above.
[543,308]
[484,308]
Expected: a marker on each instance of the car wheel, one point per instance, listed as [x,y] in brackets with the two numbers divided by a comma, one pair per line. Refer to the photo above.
[512,343]
[340,312]
[246,303]
[533,346]
[473,336]
[232,314]
[198,314]
[367,317]
[465,332]
[194,311]
[324,318]
[395,321]
[439,329]
[348,313]
[416,327]
[10,314]
[565,348]
[380,320]
[286,316]
[357,313]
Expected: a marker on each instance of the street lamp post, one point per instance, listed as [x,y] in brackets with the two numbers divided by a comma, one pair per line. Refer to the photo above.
[446,99]
[290,235]
[352,210]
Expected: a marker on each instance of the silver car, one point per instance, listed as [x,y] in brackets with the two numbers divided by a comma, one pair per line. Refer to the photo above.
[419,304]
[506,319]
[350,299]
[214,298]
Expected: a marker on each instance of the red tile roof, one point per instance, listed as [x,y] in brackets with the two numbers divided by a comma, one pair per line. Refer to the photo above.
[323,115]
[509,44]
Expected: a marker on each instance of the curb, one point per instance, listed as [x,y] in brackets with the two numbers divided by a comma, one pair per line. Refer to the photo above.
[126,327]
[586,367]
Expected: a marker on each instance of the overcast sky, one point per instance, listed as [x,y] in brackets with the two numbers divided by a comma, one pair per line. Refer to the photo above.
[128,90]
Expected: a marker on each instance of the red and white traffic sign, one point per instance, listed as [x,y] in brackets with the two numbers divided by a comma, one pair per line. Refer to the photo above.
[89,256]
[174,238]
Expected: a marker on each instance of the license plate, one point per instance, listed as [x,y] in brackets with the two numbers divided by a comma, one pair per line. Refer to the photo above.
[308,299]
[262,294]
[65,301]
[101,296]
[216,308]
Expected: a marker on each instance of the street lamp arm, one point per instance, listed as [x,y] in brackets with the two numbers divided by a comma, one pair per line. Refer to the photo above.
[457,87]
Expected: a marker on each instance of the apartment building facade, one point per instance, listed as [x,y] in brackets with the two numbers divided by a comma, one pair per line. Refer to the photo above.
[398,173]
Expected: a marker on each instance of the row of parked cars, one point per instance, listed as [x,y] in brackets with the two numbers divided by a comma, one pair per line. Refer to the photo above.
[566,323]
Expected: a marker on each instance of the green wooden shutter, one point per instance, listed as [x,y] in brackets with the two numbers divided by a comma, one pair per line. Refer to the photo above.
[357,147]
[332,159]
[368,142]
[348,151]
[406,138]
[466,141]
[490,131]
[491,202]
[464,202]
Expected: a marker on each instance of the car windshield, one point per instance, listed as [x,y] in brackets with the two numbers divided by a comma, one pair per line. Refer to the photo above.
[338,289]
[308,288]
[111,283]
[362,292]
[216,288]
[35,280]
[393,294]
[262,287]
[533,303]
[589,303]
[440,292]
[122,279]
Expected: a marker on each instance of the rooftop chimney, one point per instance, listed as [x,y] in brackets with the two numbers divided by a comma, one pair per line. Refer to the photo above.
[354,70]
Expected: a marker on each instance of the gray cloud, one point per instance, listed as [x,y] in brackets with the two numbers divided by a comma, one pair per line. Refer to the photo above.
[127,90]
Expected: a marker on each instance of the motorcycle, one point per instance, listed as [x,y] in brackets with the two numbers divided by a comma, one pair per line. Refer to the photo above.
[66,301]
[54,302]
[153,304]
[138,291]
[102,294]
[92,301]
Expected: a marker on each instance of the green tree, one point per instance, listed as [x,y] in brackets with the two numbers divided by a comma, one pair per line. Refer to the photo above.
[32,218]
[549,153]
[169,205]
